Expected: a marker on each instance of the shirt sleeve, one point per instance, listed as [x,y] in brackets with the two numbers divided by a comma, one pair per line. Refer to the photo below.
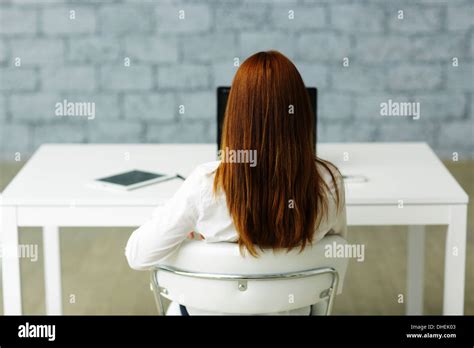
[167,229]
[340,225]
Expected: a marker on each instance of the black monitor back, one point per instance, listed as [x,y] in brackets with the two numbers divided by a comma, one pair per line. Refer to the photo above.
[223,94]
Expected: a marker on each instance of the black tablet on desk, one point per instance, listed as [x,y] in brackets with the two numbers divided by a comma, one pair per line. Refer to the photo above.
[131,180]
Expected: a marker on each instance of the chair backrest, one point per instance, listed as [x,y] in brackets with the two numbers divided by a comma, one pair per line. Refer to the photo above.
[216,277]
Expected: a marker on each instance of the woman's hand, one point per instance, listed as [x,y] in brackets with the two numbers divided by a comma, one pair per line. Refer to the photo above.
[191,235]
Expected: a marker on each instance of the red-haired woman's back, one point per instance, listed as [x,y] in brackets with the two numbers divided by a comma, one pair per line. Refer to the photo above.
[269,190]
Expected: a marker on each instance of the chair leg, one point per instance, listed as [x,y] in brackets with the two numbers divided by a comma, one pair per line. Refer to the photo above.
[173,309]
[156,293]
[320,308]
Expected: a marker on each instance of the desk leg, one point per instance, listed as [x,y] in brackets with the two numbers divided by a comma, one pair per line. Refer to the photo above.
[455,261]
[415,270]
[52,270]
[11,276]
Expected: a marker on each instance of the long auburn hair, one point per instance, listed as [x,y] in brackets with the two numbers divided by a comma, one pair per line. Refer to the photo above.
[280,202]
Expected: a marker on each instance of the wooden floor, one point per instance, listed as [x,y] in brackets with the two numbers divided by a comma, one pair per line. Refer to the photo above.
[97,280]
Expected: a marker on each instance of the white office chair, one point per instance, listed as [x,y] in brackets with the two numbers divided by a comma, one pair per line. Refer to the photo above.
[215,277]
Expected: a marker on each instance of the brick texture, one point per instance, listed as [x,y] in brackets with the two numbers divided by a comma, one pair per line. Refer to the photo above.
[179,51]
[69,20]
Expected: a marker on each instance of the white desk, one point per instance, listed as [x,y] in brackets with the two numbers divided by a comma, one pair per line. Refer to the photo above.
[407,185]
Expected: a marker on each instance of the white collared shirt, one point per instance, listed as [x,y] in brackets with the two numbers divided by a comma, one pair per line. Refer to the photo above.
[195,207]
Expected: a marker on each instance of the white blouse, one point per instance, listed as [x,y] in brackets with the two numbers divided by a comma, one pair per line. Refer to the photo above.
[194,207]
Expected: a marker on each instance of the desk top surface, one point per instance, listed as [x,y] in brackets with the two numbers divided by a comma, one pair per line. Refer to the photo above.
[58,174]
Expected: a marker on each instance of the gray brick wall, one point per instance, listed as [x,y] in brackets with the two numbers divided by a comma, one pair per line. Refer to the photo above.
[179,62]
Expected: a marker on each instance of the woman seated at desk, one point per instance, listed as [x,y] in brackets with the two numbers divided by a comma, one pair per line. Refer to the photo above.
[286,197]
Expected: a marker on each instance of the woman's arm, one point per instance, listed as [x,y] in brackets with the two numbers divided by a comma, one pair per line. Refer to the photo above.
[340,226]
[168,227]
